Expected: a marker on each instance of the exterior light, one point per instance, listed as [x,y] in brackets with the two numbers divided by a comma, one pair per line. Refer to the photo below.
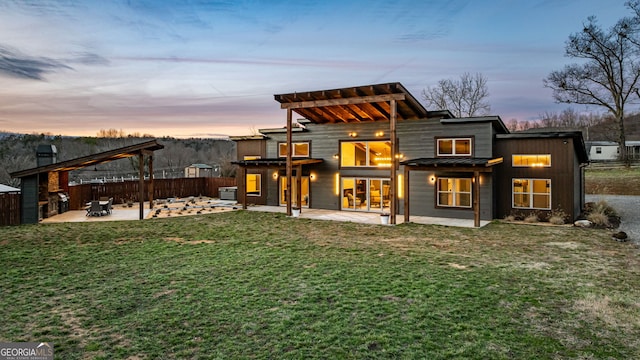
[336,156]
[379,133]
[353,134]
[312,177]
[275,175]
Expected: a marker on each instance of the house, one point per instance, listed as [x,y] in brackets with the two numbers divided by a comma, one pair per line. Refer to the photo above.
[201,170]
[375,148]
[609,151]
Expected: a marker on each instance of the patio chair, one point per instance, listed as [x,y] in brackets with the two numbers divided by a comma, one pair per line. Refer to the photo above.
[107,208]
[94,209]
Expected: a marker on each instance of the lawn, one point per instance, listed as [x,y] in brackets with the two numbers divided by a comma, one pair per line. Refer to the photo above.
[612,181]
[247,284]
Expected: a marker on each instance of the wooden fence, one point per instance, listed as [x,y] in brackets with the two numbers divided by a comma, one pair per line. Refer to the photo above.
[121,192]
[9,209]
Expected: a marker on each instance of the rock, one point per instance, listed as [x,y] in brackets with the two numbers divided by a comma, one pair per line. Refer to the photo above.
[583,223]
[620,236]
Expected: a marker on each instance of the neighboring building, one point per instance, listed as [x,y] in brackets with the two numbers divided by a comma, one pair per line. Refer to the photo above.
[609,150]
[201,170]
[6,189]
[375,148]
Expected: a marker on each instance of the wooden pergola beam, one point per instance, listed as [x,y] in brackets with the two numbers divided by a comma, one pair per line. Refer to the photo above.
[342,102]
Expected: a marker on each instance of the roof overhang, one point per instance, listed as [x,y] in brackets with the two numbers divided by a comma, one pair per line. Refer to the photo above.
[146,148]
[453,164]
[353,104]
[279,163]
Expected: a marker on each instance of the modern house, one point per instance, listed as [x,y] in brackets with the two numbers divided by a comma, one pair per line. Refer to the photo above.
[375,148]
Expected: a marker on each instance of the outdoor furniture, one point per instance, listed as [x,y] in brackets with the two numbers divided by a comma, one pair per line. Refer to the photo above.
[107,207]
[94,208]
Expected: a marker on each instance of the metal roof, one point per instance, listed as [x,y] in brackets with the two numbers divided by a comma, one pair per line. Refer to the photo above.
[353,104]
[453,162]
[277,162]
[78,163]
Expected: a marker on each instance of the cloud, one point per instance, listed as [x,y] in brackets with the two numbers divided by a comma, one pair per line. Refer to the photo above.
[18,65]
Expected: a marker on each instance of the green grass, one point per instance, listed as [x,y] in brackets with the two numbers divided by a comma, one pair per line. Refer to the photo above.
[261,285]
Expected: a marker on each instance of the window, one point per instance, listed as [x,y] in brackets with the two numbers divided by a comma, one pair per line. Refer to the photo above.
[365,153]
[454,147]
[531,160]
[598,150]
[532,194]
[300,149]
[251,157]
[254,184]
[454,192]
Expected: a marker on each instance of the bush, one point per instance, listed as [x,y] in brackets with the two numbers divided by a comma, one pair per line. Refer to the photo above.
[556,220]
[532,218]
[598,219]
[558,216]
[510,218]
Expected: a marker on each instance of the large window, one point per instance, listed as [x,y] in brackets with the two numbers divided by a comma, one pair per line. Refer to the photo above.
[532,194]
[531,160]
[254,184]
[454,147]
[300,149]
[454,192]
[365,153]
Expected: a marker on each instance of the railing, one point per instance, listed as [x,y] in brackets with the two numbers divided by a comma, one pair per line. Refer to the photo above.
[9,209]
[123,192]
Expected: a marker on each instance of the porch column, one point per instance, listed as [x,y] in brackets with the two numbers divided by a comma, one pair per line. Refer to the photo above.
[476,199]
[394,161]
[243,185]
[406,193]
[141,183]
[299,187]
[289,161]
[150,182]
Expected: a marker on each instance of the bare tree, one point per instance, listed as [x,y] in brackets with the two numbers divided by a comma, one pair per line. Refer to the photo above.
[464,97]
[608,73]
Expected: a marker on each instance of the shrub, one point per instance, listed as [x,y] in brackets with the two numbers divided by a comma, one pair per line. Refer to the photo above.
[510,217]
[598,219]
[558,216]
[604,208]
[532,218]
[556,220]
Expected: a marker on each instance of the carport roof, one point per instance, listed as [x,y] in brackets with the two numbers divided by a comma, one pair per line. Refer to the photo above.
[81,162]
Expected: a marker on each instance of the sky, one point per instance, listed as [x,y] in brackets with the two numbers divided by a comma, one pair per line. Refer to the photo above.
[200,68]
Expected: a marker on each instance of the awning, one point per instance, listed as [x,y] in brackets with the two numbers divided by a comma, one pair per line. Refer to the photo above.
[452,163]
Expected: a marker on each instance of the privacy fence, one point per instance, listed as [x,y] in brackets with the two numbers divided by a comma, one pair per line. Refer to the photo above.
[9,209]
[123,192]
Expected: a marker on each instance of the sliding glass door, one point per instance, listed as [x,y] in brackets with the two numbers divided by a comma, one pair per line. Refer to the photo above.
[365,194]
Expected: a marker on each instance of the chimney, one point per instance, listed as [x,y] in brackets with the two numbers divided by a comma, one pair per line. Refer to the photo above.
[46,155]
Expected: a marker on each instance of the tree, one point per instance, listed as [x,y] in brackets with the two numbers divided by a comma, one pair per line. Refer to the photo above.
[465,97]
[608,73]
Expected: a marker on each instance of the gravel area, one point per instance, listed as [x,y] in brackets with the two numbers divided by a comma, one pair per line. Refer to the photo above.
[628,207]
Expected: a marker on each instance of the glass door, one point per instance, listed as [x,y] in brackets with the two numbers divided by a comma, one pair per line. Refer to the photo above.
[294,189]
[365,194]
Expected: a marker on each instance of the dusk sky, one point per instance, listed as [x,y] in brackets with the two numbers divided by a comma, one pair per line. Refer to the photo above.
[203,68]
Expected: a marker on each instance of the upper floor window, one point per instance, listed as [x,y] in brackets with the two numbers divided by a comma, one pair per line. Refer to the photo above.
[598,150]
[365,153]
[454,147]
[531,160]
[300,149]
[251,157]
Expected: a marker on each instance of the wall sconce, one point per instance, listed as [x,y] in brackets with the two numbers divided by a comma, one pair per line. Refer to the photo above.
[379,133]
[336,156]
[353,134]
[312,177]
[432,179]
[275,175]
[399,156]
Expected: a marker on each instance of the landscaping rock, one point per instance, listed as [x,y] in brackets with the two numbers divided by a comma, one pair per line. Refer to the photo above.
[583,223]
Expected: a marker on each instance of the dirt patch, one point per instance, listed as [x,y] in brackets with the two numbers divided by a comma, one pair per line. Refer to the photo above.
[189,242]
[564,245]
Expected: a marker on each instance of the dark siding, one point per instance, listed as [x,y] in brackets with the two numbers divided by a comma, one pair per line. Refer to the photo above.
[564,188]
[30,211]
[253,148]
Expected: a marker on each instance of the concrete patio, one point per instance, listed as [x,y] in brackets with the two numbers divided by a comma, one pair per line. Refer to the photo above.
[121,212]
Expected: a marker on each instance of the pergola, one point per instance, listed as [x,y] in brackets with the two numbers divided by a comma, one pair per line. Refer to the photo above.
[382,102]
[469,165]
[139,150]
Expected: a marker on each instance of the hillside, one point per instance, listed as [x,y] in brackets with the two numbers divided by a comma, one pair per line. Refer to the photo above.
[18,152]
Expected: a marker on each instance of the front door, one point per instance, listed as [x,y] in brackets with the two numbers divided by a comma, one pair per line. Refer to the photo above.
[294,189]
